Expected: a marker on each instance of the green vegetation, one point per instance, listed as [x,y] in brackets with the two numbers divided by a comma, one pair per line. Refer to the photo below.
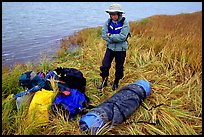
[165,50]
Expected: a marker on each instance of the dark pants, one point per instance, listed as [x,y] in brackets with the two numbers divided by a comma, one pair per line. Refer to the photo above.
[107,60]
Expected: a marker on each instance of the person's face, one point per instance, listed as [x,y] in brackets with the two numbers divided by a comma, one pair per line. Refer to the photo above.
[114,16]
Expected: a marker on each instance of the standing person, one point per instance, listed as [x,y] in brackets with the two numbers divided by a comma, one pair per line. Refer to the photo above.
[115,32]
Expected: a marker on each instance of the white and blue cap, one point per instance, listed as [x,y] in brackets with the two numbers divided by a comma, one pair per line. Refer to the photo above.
[114,8]
[91,122]
[145,84]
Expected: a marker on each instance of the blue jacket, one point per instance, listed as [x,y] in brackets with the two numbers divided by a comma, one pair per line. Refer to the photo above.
[117,40]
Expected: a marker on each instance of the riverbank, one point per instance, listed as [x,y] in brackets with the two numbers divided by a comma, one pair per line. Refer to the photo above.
[164,50]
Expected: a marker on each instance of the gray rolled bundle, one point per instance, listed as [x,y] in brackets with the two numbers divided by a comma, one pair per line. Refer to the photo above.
[116,109]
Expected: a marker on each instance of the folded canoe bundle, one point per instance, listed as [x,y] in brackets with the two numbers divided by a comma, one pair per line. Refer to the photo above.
[116,109]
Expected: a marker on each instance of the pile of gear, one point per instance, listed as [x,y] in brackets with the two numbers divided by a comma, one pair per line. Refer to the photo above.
[70,98]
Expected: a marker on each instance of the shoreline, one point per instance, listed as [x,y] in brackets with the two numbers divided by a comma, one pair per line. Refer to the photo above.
[54,55]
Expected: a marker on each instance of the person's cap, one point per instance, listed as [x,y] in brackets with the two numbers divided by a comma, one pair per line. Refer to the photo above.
[114,8]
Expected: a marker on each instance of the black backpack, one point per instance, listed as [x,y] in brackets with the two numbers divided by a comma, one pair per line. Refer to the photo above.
[72,77]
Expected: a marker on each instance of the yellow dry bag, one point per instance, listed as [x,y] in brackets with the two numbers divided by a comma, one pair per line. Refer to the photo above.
[39,107]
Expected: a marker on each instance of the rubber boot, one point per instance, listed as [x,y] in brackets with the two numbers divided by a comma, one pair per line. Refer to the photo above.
[104,83]
[115,84]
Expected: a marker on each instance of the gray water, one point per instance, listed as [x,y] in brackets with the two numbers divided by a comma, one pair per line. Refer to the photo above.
[31,30]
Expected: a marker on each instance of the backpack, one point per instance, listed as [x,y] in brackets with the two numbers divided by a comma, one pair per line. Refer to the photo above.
[72,98]
[122,21]
[72,77]
[71,102]
[29,80]
[25,80]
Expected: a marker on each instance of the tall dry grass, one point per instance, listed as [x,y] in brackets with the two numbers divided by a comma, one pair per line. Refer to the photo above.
[164,50]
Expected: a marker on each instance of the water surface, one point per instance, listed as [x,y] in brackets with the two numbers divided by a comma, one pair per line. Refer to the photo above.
[32,29]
